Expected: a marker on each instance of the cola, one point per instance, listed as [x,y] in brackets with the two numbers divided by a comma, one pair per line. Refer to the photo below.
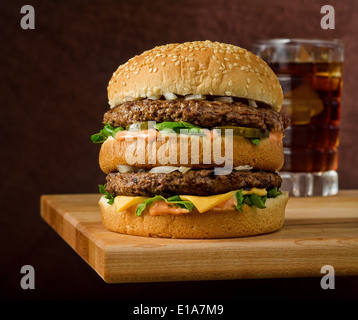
[312,92]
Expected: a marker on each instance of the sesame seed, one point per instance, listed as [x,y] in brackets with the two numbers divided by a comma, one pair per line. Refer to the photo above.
[136,72]
[236,64]
[150,70]
[225,72]
[217,75]
[124,84]
[155,69]
[192,69]
[176,63]
[226,58]
[228,93]
[248,80]
[163,63]
[230,83]
[242,68]
[221,68]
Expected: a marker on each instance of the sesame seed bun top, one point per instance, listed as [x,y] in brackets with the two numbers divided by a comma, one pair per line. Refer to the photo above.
[198,67]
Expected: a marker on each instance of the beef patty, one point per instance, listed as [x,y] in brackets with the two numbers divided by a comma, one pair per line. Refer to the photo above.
[203,113]
[193,182]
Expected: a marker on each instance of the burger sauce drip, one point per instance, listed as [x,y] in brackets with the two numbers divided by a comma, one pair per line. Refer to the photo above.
[148,135]
[161,208]
[276,137]
[228,204]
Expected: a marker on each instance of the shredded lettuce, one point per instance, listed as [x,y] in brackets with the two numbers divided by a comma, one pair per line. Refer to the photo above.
[255,141]
[254,199]
[175,200]
[107,195]
[107,131]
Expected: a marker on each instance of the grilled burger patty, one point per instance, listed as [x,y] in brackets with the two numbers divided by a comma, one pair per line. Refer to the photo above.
[203,113]
[193,182]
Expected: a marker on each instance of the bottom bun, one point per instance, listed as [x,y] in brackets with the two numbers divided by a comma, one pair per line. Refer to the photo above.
[214,223]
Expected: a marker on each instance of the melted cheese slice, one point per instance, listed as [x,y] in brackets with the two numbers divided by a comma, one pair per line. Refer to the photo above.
[202,203]
[124,202]
[205,203]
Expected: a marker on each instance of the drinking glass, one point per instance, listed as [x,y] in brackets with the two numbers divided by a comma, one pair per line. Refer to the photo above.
[310,73]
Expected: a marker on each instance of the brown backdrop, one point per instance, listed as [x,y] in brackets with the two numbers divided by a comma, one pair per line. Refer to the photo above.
[53,95]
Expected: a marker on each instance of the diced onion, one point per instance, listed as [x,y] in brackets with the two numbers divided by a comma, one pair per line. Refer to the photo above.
[194,96]
[243,168]
[184,169]
[124,168]
[154,97]
[169,169]
[163,169]
[170,96]
[252,103]
[224,99]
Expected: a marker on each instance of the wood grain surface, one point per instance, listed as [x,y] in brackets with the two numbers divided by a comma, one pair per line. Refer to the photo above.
[317,231]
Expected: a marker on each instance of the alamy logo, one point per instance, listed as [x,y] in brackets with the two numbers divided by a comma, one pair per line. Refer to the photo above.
[327,281]
[28,20]
[327,21]
[28,280]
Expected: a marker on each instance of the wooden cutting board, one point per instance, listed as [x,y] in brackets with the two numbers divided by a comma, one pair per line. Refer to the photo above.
[318,231]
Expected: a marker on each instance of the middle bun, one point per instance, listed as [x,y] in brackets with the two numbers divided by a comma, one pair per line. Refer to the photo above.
[268,155]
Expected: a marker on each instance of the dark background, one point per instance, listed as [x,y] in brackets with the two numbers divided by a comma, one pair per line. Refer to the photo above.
[53,84]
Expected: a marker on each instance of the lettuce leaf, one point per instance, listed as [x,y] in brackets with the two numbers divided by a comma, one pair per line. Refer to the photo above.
[107,131]
[254,199]
[172,200]
[273,193]
[107,195]
[255,141]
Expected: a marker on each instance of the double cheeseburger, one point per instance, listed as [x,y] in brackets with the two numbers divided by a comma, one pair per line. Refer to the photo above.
[167,105]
